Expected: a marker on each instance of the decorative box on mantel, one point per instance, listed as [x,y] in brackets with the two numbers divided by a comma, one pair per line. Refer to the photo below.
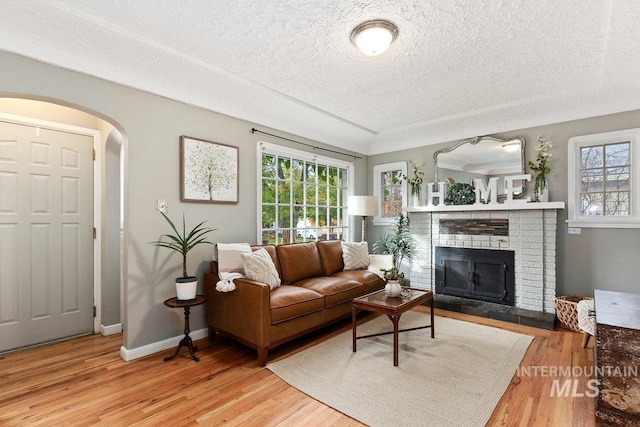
[527,229]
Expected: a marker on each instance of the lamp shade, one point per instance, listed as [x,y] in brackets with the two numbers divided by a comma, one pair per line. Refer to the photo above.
[362,205]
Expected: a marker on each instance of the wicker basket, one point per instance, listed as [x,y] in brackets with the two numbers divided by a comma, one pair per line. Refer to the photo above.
[567,311]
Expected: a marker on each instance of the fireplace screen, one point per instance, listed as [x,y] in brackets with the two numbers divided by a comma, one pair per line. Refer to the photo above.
[481,274]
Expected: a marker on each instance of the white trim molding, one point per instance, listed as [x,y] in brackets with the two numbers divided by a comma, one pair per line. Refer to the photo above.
[377,189]
[111,329]
[575,218]
[155,347]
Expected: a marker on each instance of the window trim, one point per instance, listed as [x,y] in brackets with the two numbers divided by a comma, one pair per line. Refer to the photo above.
[573,178]
[377,190]
[262,146]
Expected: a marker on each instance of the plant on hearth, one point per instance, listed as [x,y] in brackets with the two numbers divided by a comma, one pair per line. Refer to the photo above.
[397,244]
[417,180]
[541,168]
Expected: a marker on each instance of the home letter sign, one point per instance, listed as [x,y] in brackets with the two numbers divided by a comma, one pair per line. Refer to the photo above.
[509,189]
[485,192]
[441,194]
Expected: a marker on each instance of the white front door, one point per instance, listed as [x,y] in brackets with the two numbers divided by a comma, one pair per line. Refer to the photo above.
[46,235]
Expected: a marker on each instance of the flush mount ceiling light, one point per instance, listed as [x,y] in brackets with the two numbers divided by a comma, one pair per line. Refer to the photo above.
[374,37]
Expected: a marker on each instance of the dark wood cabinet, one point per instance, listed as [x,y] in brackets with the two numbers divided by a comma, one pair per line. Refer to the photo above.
[617,358]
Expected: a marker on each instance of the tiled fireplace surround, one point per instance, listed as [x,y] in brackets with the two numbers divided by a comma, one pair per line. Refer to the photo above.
[532,236]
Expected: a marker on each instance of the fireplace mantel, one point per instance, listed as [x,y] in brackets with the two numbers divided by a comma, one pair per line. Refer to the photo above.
[514,206]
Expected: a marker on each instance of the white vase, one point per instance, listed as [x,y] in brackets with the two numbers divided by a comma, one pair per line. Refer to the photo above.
[186,287]
[393,288]
[544,195]
[415,200]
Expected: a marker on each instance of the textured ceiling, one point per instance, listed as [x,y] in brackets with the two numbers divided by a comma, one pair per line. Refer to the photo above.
[459,68]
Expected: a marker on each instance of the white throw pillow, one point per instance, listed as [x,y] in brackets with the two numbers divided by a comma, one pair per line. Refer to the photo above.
[355,255]
[259,266]
[228,256]
[379,262]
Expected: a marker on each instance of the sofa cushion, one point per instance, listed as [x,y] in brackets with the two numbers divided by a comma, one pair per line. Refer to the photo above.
[330,256]
[259,266]
[355,255]
[288,302]
[298,261]
[271,250]
[336,290]
[370,281]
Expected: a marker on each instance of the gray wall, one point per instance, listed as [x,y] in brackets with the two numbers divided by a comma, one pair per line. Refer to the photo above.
[151,127]
[111,270]
[598,258]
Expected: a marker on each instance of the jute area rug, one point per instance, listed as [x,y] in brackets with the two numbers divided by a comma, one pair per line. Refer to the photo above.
[455,379]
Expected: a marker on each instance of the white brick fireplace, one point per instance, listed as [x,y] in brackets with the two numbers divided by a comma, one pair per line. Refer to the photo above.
[531,235]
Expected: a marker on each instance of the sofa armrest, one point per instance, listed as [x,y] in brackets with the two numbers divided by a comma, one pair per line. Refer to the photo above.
[244,313]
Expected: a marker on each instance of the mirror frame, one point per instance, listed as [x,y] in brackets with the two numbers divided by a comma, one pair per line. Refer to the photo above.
[478,139]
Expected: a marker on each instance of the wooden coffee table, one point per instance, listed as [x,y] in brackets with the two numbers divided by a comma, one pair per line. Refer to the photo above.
[378,302]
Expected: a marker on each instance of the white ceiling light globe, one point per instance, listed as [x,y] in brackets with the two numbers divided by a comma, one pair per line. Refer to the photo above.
[374,37]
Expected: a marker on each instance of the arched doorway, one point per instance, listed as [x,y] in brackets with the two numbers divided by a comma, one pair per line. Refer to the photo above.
[57,282]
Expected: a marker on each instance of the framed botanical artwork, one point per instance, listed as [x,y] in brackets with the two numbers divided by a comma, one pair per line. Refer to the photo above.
[208,171]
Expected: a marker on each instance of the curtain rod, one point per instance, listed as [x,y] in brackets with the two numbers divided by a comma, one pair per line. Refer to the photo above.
[254,130]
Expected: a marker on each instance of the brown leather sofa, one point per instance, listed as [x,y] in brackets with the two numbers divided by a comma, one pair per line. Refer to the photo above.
[315,291]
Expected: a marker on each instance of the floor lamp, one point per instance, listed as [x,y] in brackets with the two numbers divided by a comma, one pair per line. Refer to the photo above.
[363,206]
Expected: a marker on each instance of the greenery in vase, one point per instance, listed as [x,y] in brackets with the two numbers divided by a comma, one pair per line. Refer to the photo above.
[393,274]
[183,242]
[417,180]
[397,244]
[460,194]
[540,167]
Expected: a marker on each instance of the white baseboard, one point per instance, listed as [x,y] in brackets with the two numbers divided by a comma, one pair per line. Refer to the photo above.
[111,329]
[145,350]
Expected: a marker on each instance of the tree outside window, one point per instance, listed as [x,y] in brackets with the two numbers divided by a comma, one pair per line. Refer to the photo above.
[302,199]
[605,172]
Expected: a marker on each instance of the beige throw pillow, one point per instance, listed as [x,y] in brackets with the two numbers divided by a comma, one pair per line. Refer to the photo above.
[259,266]
[355,255]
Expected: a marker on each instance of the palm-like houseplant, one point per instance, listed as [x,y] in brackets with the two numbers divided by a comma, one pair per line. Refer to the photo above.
[398,245]
[182,242]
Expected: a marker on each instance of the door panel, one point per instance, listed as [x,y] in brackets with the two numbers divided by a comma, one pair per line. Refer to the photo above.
[46,235]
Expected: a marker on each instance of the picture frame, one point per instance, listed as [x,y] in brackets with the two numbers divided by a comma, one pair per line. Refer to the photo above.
[208,171]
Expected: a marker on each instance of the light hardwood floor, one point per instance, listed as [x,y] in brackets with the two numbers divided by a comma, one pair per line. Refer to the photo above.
[84,382]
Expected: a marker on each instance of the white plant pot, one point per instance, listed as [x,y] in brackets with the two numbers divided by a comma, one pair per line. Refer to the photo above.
[544,195]
[393,288]
[186,287]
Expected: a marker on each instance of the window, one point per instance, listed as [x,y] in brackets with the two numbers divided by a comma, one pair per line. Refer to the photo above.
[301,197]
[604,180]
[391,191]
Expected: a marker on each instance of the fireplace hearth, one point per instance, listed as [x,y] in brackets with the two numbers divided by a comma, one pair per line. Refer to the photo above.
[479,274]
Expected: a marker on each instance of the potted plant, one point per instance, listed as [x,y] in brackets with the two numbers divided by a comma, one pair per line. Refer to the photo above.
[540,191]
[398,245]
[183,242]
[395,280]
[415,182]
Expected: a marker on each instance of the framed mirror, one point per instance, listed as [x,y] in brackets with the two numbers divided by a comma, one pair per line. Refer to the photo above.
[482,157]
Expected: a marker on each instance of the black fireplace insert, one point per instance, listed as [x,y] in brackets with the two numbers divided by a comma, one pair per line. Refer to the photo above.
[480,274]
